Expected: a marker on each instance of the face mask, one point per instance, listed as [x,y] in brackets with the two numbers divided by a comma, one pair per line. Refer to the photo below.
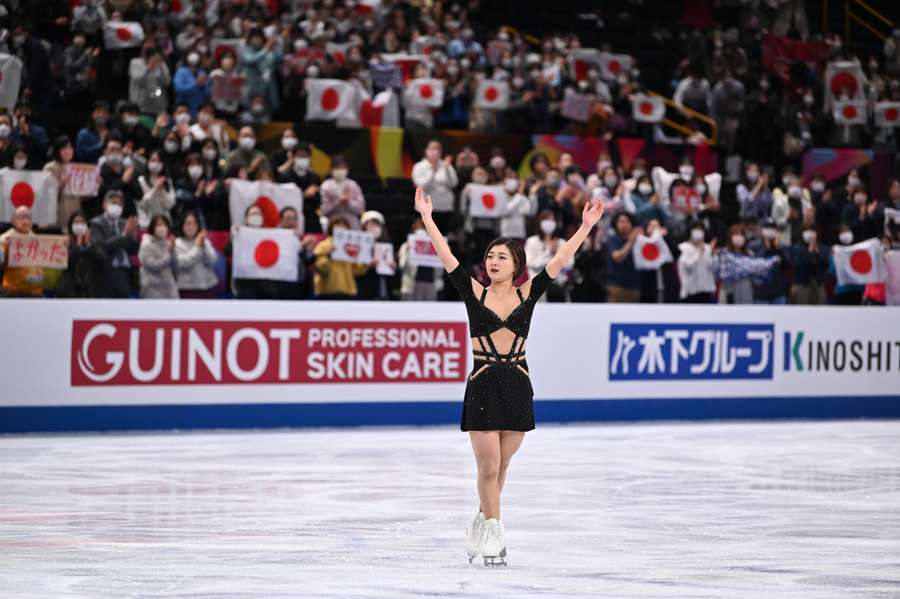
[603,165]
[258,108]
[5,130]
[686,172]
[210,154]
[312,72]
[808,100]
[161,232]
[20,163]
[113,210]
[859,200]
[645,188]
[193,59]
[79,228]
[846,237]
[610,182]
[853,181]
[301,164]
[204,118]
[255,220]
[517,82]
[552,182]
[752,176]
[114,158]
[818,186]
[171,146]
[248,143]
[130,119]
[548,226]
[339,174]
[452,70]
[638,173]
[768,233]
[795,191]
[182,118]
[154,166]
[737,241]
[697,234]
[700,189]
[511,185]
[288,143]
[497,163]
[195,170]
[808,236]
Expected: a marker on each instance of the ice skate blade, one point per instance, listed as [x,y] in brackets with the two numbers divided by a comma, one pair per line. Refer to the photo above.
[496,560]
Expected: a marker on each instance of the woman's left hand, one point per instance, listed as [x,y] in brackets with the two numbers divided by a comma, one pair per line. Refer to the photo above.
[593,210]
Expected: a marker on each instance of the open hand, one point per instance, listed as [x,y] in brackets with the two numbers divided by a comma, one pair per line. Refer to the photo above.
[423,202]
[592,212]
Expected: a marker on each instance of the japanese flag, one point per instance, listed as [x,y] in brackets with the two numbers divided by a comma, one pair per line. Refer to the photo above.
[36,189]
[849,113]
[270,197]
[492,93]
[613,64]
[581,60]
[338,51]
[487,201]
[328,99]
[843,77]
[122,34]
[182,8]
[859,263]
[367,7]
[887,114]
[406,62]
[647,109]
[381,111]
[10,80]
[650,253]
[266,254]
[424,92]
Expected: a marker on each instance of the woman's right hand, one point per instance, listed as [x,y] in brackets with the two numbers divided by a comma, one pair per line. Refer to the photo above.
[423,202]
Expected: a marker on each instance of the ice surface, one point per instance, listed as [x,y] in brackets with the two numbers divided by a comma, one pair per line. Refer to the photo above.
[792,509]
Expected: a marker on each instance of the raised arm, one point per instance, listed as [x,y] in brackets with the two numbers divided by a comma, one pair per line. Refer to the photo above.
[423,205]
[593,210]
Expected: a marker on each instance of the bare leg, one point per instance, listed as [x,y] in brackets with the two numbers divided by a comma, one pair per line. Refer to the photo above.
[509,444]
[486,445]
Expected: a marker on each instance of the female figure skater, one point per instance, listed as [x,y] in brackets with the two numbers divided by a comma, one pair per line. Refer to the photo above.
[497,409]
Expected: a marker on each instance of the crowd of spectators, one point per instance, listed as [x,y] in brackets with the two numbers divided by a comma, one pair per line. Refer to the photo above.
[160,137]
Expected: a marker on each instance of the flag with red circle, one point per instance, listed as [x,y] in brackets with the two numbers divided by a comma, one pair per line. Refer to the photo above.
[849,112]
[582,60]
[651,252]
[859,263]
[339,51]
[329,99]
[487,201]
[266,254]
[10,80]
[37,190]
[424,92]
[272,198]
[887,114]
[381,111]
[843,80]
[647,109]
[367,7]
[406,62]
[122,34]
[493,94]
[612,65]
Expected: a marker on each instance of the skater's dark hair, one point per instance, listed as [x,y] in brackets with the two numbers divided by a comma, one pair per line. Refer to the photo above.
[518,254]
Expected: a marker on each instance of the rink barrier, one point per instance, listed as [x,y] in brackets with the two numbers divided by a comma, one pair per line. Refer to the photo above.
[162,365]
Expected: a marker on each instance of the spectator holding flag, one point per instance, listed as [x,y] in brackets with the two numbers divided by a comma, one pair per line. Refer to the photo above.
[847,294]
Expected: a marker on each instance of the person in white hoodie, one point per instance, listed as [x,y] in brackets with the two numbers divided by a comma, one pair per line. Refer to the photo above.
[195,260]
[519,207]
[438,178]
[696,267]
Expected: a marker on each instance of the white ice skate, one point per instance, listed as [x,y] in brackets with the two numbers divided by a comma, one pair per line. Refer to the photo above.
[473,535]
[493,543]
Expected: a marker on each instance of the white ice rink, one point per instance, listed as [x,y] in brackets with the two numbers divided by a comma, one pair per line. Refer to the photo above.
[805,509]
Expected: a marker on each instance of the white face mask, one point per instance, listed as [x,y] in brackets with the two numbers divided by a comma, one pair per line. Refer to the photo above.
[610,182]
[20,163]
[511,185]
[738,241]
[130,119]
[171,146]
[301,164]
[752,176]
[548,226]
[818,186]
[808,236]
[210,154]
[79,228]
[339,174]
[182,118]
[686,172]
[638,173]
[697,234]
[113,210]
[154,166]
[204,118]
[645,188]
[193,59]
[700,189]
[195,170]
[248,142]
[795,191]
[255,220]
[768,233]
[846,237]
[114,158]
[161,232]
[5,130]
[288,143]
[852,181]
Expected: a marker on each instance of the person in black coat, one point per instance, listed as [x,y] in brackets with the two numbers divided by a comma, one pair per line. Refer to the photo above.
[87,261]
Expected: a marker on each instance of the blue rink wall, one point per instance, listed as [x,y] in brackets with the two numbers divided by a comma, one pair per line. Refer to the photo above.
[160,365]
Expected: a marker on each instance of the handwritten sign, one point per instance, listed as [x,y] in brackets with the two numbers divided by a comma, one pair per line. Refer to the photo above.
[48,251]
[353,246]
[384,252]
[422,251]
[226,89]
[82,179]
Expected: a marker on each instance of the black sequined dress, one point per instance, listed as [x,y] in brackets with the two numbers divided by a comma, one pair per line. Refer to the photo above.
[498,394]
